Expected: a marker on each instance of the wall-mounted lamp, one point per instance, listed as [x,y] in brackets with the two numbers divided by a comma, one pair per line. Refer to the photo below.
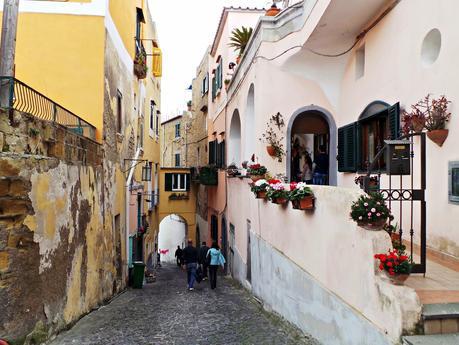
[146,169]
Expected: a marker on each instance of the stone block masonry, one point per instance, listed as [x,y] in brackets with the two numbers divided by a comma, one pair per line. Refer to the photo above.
[57,251]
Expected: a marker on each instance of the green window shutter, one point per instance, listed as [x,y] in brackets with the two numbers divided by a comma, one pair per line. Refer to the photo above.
[394,121]
[347,147]
[214,88]
[168,183]
[188,180]
[222,153]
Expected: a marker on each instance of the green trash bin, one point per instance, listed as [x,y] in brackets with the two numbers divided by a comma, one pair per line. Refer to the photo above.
[139,273]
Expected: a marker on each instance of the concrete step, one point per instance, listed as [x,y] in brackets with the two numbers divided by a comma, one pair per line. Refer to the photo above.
[441,318]
[436,339]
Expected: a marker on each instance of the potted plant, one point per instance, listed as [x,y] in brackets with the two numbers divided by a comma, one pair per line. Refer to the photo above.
[301,196]
[414,120]
[259,188]
[271,137]
[140,64]
[373,181]
[370,211]
[239,39]
[232,170]
[227,82]
[256,172]
[272,11]
[436,119]
[396,265]
[277,193]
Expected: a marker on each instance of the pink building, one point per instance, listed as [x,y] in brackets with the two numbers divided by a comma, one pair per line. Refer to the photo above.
[339,73]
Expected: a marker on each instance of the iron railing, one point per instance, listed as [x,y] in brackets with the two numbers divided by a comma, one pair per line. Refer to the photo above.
[16,95]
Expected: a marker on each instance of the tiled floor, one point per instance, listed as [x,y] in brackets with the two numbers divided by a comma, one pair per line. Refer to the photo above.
[441,282]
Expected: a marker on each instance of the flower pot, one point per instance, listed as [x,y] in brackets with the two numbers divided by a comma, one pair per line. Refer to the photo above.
[438,136]
[398,279]
[304,204]
[273,11]
[373,226]
[394,236]
[238,59]
[261,195]
[255,178]
[271,150]
[280,201]
[417,124]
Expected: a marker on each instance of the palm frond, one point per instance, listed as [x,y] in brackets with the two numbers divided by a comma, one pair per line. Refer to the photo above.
[239,39]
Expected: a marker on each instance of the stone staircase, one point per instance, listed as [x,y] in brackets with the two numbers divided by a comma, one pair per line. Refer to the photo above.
[441,326]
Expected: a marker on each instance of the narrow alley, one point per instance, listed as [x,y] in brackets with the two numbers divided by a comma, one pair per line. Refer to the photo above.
[164,312]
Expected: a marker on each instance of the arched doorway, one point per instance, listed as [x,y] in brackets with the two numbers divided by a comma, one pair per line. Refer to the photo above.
[172,233]
[234,149]
[312,129]
[249,125]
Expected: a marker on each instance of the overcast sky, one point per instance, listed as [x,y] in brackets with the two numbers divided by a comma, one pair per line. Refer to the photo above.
[185,29]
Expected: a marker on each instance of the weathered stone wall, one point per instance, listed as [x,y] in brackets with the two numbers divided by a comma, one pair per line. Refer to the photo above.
[57,252]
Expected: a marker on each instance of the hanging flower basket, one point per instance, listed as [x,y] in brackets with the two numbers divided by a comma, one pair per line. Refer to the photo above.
[370,211]
[396,265]
[301,196]
[277,193]
[257,172]
[259,188]
[271,150]
[261,195]
[438,136]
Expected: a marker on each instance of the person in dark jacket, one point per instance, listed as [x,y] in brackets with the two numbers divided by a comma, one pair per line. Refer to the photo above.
[202,259]
[178,256]
[190,260]
[321,162]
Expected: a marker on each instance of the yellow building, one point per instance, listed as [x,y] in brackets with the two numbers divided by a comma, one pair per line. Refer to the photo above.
[101,61]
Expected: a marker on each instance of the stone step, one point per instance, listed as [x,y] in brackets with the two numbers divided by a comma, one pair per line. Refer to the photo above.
[437,339]
[441,318]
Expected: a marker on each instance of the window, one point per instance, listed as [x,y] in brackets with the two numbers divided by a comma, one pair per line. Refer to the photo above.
[177,182]
[360,62]
[359,142]
[152,115]
[213,152]
[177,159]
[157,122]
[217,79]
[205,85]
[220,159]
[119,112]
[453,182]
[138,28]
[214,88]
[177,130]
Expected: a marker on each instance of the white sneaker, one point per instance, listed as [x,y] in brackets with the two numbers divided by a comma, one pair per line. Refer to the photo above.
[191,289]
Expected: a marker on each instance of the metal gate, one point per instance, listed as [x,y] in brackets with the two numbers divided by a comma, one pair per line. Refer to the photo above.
[404,198]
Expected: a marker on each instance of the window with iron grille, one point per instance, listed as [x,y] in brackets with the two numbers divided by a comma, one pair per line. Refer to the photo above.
[177,159]
[177,130]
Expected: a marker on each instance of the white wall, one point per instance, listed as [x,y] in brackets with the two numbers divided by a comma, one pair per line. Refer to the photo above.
[171,234]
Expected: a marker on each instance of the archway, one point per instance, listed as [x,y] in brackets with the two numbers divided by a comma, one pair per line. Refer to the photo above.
[234,149]
[312,129]
[249,122]
[172,233]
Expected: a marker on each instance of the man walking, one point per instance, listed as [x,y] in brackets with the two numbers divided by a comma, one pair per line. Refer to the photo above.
[202,259]
[190,259]
[178,256]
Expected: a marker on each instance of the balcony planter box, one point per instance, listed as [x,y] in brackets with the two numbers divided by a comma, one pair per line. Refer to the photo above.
[208,176]
[307,203]
[280,201]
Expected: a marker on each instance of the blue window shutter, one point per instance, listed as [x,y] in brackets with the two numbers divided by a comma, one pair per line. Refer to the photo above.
[394,121]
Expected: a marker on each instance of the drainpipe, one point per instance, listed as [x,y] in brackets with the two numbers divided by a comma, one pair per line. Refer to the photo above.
[139,250]
[126,206]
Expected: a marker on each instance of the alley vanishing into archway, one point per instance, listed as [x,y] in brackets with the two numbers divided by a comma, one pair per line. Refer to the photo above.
[164,312]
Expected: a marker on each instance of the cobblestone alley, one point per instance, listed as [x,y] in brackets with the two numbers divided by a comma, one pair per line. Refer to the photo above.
[166,313]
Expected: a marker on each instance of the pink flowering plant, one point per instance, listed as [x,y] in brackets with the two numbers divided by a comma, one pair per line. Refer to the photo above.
[299,191]
[276,190]
[259,186]
[370,209]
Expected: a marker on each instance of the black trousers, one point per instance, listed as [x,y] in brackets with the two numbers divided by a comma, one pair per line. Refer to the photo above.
[213,276]
[204,270]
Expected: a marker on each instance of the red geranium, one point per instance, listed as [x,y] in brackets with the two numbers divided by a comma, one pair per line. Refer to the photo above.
[395,262]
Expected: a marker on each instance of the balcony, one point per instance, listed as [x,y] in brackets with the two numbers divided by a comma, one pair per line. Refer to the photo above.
[140,60]
[16,95]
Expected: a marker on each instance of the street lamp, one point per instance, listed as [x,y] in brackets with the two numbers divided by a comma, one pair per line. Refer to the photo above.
[146,172]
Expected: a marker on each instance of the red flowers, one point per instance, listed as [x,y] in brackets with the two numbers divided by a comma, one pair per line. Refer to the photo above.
[255,166]
[274,181]
[395,262]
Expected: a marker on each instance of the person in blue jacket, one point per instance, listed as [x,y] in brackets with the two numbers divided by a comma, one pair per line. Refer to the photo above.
[216,258]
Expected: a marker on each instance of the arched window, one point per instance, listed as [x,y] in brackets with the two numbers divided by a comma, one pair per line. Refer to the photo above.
[234,149]
[249,128]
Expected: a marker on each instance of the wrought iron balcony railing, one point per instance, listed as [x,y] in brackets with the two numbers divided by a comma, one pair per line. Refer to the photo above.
[16,95]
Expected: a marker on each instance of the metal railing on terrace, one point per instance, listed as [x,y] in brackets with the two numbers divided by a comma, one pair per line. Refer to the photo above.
[16,95]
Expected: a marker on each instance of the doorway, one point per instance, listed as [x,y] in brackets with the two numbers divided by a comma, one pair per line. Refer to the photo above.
[312,143]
